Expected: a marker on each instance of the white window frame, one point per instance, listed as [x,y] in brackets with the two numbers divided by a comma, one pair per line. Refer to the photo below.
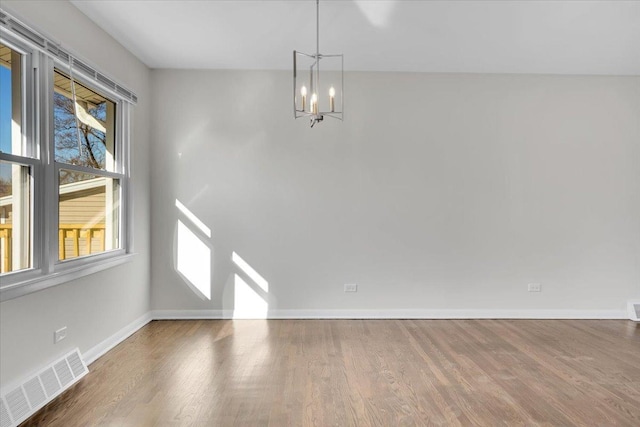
[46,270]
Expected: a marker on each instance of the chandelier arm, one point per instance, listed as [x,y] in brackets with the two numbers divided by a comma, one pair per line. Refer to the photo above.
[295,68]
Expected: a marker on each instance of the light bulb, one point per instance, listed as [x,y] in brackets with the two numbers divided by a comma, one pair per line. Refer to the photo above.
[332,103]
[314,98]
[303,92]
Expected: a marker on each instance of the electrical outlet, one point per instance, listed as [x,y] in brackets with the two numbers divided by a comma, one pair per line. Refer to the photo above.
[534,287]
[59,335]
[351,287]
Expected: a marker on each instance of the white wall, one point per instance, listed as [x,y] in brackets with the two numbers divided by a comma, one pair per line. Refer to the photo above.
[97,306]
[436,192]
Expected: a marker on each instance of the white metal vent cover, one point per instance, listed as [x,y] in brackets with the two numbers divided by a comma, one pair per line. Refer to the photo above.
[64,372]
[50,381]
[633,308]
[17,403]
[35,392]
[23,399]
[5,421]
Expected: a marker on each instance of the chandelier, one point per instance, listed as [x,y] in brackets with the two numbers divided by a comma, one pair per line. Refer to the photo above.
[316,97]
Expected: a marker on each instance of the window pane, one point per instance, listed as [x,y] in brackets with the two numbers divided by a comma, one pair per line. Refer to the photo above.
[84,134]
[11,117]
[15,217]
[89,210]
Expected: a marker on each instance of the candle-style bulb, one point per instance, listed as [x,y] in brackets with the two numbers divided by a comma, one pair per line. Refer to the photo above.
[303,92]
[314,103]
[332,97]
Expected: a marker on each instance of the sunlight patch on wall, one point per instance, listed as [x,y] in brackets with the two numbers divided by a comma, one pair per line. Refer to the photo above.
[194,260]
[377,12]
[248,304]
[193,218]
[249,271]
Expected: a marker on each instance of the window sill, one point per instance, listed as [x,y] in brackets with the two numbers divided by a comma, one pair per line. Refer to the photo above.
[39,283]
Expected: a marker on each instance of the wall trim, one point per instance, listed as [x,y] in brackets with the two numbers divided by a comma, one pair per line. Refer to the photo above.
[399,314]
[104,346]
[191,314]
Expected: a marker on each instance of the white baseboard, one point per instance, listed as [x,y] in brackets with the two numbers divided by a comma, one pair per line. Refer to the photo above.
[399,314]
[633,310]
[98,350]
[191,314]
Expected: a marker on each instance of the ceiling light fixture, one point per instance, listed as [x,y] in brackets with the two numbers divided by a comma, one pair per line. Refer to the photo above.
[333,75]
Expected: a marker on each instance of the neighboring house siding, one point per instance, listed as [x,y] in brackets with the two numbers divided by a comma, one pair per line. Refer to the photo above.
[82,222]
[84,207]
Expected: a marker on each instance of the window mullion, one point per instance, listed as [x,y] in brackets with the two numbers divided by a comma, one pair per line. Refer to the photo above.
[126,208]
[49,194]
[32,107]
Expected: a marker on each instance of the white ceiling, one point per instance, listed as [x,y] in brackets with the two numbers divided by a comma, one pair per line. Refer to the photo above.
[559,37]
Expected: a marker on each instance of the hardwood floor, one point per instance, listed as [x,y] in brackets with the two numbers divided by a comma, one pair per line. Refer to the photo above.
[362,372]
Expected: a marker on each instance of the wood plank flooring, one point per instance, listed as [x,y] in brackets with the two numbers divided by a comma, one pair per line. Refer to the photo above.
[362,373]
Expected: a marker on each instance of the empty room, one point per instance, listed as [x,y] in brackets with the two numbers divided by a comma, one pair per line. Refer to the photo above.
[319,213]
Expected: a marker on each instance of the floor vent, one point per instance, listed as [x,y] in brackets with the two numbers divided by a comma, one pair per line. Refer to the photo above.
[23,400]
[5,421]
[633,308]
[50,382]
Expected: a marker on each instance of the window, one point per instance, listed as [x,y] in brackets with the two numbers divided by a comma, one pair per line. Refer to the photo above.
[16,168]
[84,139]
[84,132]
[64,172]
[15,217]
